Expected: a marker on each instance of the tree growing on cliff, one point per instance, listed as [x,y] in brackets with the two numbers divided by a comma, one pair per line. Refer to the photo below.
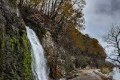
[63,12]
[113,41]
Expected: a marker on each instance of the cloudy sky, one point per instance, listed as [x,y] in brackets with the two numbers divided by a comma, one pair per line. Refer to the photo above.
[99,16]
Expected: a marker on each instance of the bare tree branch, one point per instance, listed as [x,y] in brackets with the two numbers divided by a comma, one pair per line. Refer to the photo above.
[115,60]
[113,41]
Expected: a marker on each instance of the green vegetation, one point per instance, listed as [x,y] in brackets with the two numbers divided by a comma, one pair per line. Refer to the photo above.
[82,61]
[62,26]
[15,55]
[69,49]
[2,43]
[27,58]
[13,3]
[69,66]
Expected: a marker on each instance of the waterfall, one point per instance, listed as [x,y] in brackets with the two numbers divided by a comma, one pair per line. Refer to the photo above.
[38,59]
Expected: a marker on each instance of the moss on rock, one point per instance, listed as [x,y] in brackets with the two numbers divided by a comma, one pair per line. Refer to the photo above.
[27,58]
[15,55]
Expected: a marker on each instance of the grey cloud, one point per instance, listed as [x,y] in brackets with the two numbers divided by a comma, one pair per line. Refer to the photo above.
[109,7]
[99,16]
[115,5]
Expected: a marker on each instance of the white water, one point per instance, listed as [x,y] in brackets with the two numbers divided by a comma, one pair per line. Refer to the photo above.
[38,59]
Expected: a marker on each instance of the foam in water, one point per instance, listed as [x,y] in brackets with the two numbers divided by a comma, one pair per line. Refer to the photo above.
[38,59]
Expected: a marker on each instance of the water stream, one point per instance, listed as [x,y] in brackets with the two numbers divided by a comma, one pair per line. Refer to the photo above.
[38,58]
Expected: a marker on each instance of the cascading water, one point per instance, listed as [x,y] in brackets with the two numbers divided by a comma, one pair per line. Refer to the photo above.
[38,59]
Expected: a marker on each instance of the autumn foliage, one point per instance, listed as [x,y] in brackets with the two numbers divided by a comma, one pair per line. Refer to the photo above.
[87,45]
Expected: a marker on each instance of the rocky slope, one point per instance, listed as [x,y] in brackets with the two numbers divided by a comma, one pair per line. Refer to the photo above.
[91,74]
[65,47]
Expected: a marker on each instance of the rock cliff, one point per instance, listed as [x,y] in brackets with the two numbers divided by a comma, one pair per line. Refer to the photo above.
[66,48]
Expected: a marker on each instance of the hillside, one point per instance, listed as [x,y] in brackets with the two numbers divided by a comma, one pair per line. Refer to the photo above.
[65,47]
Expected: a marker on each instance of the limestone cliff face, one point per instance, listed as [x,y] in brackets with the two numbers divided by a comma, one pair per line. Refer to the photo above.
[65,47]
